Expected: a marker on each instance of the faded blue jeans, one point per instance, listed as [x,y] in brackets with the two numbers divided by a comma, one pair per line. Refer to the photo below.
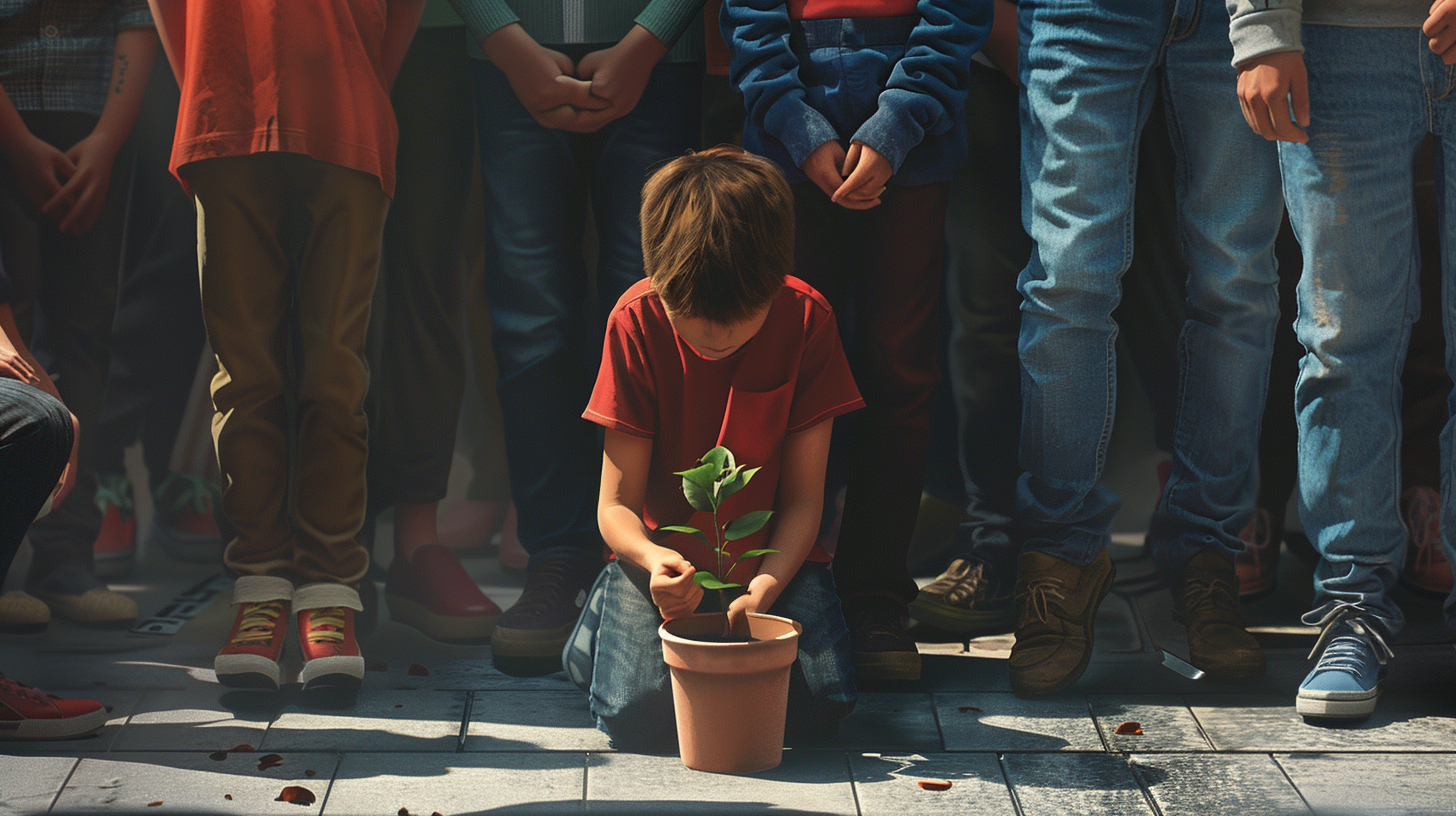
[1091,69]
[615,656]
[1374,95]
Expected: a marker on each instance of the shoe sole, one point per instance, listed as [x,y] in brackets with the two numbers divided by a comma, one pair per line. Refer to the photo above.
[69,728]
[441,627]
[247,671]
[334,673]
[1342,709]
[63,609]
[875,667]
[966,624]
[528,653]
[1021,690]
[1243,670]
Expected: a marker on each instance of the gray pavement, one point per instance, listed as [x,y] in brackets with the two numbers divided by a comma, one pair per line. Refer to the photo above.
[437,730]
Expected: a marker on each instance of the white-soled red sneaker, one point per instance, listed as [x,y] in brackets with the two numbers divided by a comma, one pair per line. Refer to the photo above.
[331,659]
[31,714]
[249,659]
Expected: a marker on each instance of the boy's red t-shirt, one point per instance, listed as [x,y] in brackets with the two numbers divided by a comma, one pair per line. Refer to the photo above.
[789,377]
[296,76]
[829,9]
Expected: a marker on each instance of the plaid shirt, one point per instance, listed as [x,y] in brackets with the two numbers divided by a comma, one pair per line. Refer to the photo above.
[56,55]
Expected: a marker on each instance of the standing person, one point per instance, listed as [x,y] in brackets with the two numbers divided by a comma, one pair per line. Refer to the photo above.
[72,75]
[1366,83]
[575,102]
[285,138]
[1091,72]
[859,103]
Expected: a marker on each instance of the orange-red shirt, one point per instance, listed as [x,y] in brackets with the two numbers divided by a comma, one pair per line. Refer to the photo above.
[296,76]
[789,377]
[831,9]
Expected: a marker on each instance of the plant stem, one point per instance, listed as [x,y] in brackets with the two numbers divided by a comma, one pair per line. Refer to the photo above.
[722,595]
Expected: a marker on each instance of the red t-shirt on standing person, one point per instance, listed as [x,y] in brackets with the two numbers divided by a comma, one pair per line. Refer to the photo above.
[789,377]
[296,76]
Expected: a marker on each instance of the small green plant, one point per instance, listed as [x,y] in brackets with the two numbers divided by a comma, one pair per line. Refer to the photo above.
[706,486]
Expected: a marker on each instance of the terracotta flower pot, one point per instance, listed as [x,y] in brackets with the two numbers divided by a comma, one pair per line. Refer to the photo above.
[731,698]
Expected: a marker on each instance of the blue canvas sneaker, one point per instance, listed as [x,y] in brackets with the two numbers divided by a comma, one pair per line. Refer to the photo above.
[1345,683]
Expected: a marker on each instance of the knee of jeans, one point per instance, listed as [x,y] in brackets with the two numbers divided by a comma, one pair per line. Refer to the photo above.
[44,424]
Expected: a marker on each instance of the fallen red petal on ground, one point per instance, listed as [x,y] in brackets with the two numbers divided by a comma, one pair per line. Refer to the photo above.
[1135,729]
[934,785]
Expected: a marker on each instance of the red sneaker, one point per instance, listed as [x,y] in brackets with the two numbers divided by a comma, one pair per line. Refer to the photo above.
[331,658]
[31,714]
[1257,565]
[184,524]
[1426,568]
[249,659]
[432,592]
[115,547]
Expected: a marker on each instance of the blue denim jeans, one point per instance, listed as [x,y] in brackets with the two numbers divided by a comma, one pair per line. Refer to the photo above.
[615,656]
[35,443]
[1091,69]
[1374,95]
[537,183]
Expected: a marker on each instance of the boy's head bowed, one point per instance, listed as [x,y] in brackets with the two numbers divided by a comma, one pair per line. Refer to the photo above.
[717,234]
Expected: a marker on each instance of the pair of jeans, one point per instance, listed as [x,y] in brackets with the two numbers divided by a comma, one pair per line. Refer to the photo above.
[537,183]
[35,444]
[1091,69]
[1375,93]
[288,249]
[615,656]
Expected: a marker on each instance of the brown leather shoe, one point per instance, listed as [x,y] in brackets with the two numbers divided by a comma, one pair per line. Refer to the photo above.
[1057,601]
[1206,600]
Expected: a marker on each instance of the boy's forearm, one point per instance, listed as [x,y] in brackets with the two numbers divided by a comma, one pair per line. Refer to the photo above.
[795,530]
[136,48]
[13,131]
[170,18]
[627,536]
[403,17]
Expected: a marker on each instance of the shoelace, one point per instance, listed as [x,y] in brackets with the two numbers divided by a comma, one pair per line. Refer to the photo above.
[326,625]
[544,587]
[960,581]
[21,690]
[1039,596]
[1216,593]
[1344,652]
[113,490]
[259,621]
[201,494]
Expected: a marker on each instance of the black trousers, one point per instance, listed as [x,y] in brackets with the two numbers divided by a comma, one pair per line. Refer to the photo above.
[35,443]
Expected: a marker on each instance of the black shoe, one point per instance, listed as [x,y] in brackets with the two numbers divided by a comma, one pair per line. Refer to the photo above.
[530,636]
[881,649]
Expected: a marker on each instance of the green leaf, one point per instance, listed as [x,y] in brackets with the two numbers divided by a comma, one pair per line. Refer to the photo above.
[756,553]
[703,475]
[735,482]
[748,475]
[746,525]
[692,531]
[698,496]
[707,580]
[717,457]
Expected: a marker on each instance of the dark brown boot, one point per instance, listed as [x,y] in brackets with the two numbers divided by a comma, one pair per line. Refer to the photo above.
[1057,601]
[1206,600]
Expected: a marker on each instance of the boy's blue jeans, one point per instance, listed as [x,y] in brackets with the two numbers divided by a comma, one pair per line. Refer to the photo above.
[614,655]
[1091,69]
[537,183]
[1374,95]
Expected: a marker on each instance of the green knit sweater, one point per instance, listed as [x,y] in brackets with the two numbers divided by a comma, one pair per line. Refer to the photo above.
[678,23]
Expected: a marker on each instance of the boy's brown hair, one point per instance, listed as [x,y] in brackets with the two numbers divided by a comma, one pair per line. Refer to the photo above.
[717,234]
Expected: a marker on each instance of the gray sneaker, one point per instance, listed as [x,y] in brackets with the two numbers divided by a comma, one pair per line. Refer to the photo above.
[966,601]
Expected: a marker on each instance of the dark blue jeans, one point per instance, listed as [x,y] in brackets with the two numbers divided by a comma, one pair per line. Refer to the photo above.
[35,442]
[537,183]
[614,655]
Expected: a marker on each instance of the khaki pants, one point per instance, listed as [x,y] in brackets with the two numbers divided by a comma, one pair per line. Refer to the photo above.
[288,250]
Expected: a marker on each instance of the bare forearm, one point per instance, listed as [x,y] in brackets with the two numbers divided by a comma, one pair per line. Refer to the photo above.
[399,30]
[136,48]
[795,529]
[625,533]
[170,17]
[13,131]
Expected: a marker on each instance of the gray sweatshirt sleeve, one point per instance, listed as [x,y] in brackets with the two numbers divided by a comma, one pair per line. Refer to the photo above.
[1259,27]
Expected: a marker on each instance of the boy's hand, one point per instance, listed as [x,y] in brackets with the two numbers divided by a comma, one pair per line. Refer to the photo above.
[673,589]
[40,169]
[15,367]
[823,167]
[77,204]
[1440,26]
[619,74]
[541,78]
[762,591]
[866,173]
[1268,85]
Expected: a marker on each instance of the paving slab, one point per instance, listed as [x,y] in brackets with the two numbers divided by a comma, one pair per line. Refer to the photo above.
[888,783]
[532,721]
[192,783]
[391,670]
[190,719]
[1401,723]
[381,720]
[808,782]
[1004,722]
[1218,785]
[1166,722]
[376,784]
[886,721]
[28,784]
[70,672]
[1075,785]
[122,703]
[1374,785]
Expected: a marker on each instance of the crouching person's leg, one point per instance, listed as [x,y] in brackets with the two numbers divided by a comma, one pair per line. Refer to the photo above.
[821,685]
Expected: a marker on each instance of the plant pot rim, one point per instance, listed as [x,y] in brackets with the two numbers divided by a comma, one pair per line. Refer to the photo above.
[663,632]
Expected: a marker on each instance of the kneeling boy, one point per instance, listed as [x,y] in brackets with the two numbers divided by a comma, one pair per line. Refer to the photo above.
[718,346]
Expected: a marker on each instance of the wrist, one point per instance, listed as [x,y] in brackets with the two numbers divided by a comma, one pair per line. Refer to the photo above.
[645,44]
